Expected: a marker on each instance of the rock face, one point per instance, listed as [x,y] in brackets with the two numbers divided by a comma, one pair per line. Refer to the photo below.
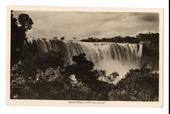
[150,55]
[147,66]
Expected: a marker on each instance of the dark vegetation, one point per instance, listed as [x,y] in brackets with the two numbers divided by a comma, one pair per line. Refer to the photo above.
[18,35]
[45,76]
[139,84]
[152,38]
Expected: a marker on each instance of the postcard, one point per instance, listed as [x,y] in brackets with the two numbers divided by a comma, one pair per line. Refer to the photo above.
[70,56]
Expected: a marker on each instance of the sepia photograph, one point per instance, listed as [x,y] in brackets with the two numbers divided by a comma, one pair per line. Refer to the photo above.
[85,55]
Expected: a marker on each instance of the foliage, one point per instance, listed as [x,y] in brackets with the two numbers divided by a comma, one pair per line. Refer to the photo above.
[83,71]
[18,35]
[25,21]
[46,60]
[152,38]
[138,85]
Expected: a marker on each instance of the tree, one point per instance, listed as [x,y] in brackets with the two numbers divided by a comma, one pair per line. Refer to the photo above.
[25,21]
[18,35]
[84,72]
[62,38]
[80,67]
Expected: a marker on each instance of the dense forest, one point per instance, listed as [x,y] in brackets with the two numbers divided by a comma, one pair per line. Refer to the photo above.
[140,38]
[45,76]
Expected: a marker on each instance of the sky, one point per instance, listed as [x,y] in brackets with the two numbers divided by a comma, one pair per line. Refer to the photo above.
[89,24]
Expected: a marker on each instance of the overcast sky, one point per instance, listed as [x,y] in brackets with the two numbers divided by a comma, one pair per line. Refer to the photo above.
[85,24]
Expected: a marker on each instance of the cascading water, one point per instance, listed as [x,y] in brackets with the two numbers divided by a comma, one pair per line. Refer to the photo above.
[111,57]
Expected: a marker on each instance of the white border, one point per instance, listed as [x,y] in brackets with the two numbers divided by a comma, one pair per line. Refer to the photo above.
[4,109]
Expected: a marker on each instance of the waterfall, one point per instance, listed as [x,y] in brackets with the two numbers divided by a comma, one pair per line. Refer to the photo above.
[111,57]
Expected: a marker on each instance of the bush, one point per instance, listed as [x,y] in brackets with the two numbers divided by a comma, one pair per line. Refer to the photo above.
[138,85]
[45,60]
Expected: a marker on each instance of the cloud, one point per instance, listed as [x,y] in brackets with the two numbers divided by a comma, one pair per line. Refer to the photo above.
[85,24]
[151,17]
